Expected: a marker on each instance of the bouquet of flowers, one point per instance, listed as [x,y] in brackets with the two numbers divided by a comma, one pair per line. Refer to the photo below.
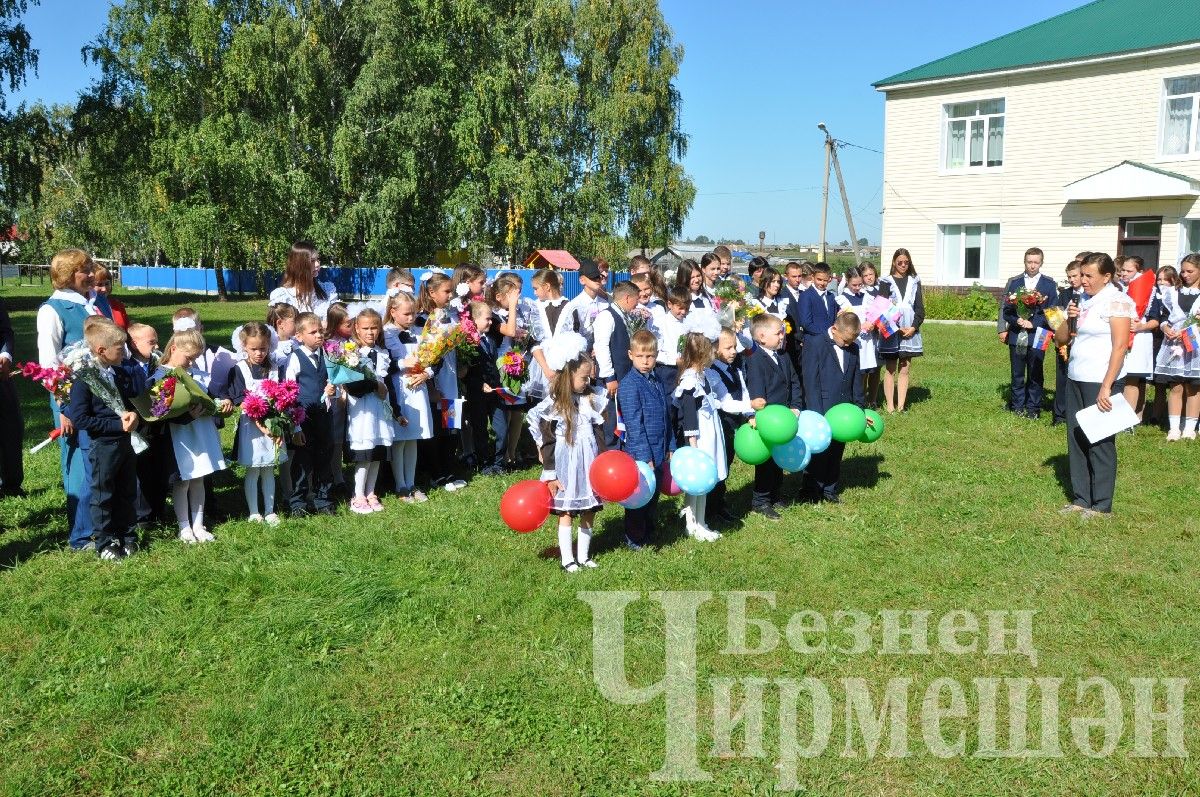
[514,369]
[465,338]
[81,364]
[275,407]
[729,292]
[1025,301]
[173,395]
[57,379]
[344,364]
[637,318]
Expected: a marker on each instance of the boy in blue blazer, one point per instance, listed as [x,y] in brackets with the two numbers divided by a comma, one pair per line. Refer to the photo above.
[831,377]
[643,400]
[770,379]
[817,309]
[1026,362]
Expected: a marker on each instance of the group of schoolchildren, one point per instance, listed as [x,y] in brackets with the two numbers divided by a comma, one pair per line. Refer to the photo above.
[1157,355]
[644,368]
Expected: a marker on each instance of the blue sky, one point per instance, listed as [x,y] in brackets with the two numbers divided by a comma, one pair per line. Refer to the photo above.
[756,79]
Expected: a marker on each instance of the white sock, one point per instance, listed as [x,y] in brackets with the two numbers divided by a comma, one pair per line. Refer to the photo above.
[268,490]
[196,502]
[179,500]
[372,475]
[1173,423]
[564,542]
[360,481]
[253,475]
[1189,424]
[584,543]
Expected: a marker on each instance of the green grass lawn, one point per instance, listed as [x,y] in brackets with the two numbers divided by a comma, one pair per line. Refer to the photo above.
[429,650]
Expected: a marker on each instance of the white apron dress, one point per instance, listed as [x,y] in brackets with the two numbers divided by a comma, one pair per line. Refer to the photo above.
[529,321]
[255,449]
[908,346]
[196,445]
[369,421]
[572,460]
[1175,363]
[711,439]
[857,303]
[412,404]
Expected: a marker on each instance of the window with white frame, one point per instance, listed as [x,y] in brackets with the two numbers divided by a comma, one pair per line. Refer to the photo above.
[1181,104]
[974,135]
[1189,240]
[969,253]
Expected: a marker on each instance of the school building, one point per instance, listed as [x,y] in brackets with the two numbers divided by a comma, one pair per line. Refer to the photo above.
[1081,132]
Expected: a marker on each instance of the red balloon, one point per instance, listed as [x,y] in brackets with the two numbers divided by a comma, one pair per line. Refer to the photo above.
[525,506]
[666,482]
[614,476]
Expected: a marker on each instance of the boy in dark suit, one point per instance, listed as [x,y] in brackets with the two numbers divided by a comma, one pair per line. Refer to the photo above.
[831,378]
[1072,293]
[770,379]
[113,472]
[1026,361]
[817,309]
[310,459]
[644,401]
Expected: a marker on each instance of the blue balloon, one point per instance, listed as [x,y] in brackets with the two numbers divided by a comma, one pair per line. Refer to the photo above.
[647,484]
[792,456]
[694,471]
[814,430]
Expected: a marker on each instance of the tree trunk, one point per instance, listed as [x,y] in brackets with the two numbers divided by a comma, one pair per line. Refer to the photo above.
[219,273]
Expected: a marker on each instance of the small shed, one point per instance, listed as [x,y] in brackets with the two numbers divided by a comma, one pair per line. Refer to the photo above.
[559,259]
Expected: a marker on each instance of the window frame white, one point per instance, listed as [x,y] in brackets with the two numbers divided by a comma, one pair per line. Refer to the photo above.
[1193,152]
[986,245]
[945,121]
[1185,237]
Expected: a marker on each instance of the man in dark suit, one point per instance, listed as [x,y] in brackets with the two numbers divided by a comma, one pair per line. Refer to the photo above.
[12,426]
[1025,359]
[831,377]
[770,379]
[1072,293]
[793,289]
[817,310]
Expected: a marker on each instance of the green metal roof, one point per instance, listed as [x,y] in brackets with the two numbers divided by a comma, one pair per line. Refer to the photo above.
[1099,28]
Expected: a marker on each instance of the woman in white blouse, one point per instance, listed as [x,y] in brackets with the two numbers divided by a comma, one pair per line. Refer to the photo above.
[1094,373]
[300,287]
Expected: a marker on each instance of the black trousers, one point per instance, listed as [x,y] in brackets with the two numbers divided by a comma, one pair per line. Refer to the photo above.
[1060,388]
[825,471]
[716,499]
[1028,378]
[767,479]
[153,467]
[478,408]
[1093,465]
[311,467]
[114,490]
[12,468]
[640,523]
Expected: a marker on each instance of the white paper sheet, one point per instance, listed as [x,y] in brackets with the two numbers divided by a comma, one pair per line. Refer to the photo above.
[1098,425]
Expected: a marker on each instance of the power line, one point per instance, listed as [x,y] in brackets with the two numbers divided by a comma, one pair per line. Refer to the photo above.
[762,191]
[841,143]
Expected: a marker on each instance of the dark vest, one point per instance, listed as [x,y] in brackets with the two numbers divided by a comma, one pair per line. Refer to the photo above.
[311,379]
[618,345]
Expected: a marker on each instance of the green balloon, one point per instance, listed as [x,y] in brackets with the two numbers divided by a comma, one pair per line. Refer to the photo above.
[749,446]
[846,422]
[776,423]
[872,433]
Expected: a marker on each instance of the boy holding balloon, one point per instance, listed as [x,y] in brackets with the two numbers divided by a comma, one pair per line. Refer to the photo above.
[643,400]
[830,379]
[770,379]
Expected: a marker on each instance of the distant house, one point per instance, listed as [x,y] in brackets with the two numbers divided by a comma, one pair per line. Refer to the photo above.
[1081,132]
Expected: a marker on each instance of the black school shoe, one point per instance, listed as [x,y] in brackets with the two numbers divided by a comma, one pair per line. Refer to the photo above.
[112,551]
[767,511]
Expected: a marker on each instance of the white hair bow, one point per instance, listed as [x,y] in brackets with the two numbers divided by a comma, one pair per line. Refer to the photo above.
[183,324]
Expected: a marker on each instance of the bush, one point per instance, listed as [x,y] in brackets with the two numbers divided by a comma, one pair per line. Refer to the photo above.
[976,305]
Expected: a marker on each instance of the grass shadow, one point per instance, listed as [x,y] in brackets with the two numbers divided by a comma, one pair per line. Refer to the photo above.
[863,471]
[1004,391]
[1061,464]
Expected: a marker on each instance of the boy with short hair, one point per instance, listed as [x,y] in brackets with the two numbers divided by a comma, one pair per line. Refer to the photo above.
[582,311]
[113,470]
[770,379]
[831,378]
[669,326]
[310,459]
[644,400]
[1072,293]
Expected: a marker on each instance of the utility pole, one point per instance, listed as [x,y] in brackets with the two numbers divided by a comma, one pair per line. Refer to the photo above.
[831,157]
[825,190]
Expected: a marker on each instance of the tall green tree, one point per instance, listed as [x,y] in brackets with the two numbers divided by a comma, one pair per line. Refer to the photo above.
[20,129]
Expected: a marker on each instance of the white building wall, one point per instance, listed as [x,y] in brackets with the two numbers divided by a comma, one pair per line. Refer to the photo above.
[1060,126]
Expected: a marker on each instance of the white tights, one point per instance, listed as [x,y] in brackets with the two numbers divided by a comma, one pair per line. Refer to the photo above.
[365,474]
[404,465]
[564,541]
[265,476]
[188,499]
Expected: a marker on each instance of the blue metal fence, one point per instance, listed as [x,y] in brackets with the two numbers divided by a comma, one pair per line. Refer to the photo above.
[350,282]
